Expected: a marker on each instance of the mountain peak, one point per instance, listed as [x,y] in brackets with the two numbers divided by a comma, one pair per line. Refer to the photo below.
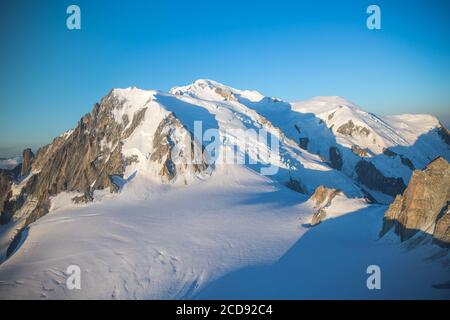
[208,82]
[322,104]
[207,89]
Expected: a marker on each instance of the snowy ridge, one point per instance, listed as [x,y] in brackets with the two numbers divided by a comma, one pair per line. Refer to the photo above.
[181,223]
[374,133]
[214,91]
[140,144]
[233,118]
[325,122]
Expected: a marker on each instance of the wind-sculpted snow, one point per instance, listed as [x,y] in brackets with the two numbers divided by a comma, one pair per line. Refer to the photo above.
[330,262]
[155,242]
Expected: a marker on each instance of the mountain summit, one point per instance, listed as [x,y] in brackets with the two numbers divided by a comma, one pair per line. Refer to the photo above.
[233,152]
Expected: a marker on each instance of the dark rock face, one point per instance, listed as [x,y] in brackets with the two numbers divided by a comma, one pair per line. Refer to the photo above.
[335,158]
[163,152]
[371,177]
[295,184]
[86,197]
[442,229]
[5,192]
[303,143]
[405,161]
[444,133]
[137,119]
[368,197]
[388,152]
[78,161]
[27,159]
[424,205]
[88,158]
[331,116]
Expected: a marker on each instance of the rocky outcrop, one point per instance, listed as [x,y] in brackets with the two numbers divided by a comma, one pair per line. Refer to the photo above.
[77,161]
[424,204]
[406,162]
[360,152]
[303,143]
[322,198]
[295,185]
[226,94]
[318,216]
[335,158]
[444,133]
[5,192]
[368,175]
[331,115]
[27,158]
[350,129]
[165,154]
[90,158]
[442,229]
[388,152]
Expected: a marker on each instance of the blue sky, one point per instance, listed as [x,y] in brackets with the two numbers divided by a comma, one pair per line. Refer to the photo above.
[294,50]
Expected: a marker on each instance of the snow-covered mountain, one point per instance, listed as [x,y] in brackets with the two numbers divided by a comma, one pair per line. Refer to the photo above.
[158,194]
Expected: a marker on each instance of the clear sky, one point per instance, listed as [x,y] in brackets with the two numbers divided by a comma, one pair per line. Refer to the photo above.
[50,76]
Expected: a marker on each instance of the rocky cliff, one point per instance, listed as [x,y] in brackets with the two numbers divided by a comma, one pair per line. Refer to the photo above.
[91,157]
[424,205]
[27,159]
[322,198]
[368,175]
[6,178]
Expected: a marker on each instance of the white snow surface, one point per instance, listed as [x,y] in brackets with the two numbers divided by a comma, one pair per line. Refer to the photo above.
[156,242]
[207,90]
[200,235]
[330,261]
[236,235]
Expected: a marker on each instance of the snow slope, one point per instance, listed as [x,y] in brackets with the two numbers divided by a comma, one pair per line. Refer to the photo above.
[234,113]
[413,136]
[330,262]
[237,235]
[336,112]
[196,236]
[154,242]
[333,122]
[140,144]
